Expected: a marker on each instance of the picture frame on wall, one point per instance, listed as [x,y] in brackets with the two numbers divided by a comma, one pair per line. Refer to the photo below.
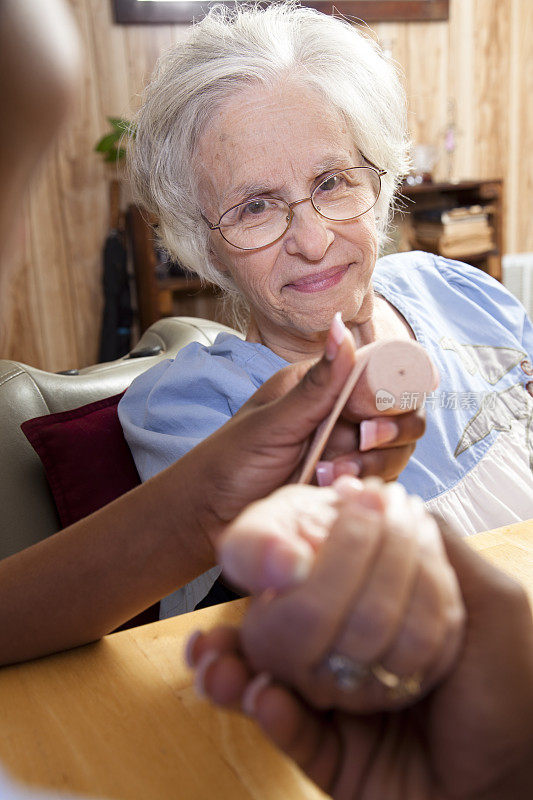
[170,12]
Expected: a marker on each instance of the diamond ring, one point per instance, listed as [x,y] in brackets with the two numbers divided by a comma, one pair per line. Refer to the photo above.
[348,674]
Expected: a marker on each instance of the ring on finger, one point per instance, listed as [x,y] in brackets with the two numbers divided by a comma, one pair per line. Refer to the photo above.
[398,688]
[349,675]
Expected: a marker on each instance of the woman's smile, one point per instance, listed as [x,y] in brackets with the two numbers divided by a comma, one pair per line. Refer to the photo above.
[319,281]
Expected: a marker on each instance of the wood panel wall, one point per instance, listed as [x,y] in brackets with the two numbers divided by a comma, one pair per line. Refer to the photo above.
[480,61]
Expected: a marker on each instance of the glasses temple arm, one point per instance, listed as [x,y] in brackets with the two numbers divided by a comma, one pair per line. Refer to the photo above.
[380,171]
[213,227]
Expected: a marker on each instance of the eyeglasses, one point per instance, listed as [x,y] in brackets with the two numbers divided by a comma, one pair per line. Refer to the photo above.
[260,221]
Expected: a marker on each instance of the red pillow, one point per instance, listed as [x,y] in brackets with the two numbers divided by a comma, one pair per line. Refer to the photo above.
[85,457]
[87,463]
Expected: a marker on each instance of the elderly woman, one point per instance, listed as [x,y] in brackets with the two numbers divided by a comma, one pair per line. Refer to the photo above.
[269,145]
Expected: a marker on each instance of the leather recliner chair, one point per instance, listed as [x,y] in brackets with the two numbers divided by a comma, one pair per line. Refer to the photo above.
[28,513]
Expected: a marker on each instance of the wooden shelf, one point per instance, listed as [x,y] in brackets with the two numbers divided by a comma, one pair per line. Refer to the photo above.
[476,256]
[433,196]
[445,187]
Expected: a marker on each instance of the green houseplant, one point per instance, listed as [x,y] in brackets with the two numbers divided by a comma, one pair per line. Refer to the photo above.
[110,145]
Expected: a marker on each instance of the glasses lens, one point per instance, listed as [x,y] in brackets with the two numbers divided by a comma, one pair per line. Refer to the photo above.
[256,223]
[348,194]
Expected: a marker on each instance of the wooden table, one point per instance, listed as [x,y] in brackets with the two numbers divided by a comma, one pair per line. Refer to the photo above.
[120,719]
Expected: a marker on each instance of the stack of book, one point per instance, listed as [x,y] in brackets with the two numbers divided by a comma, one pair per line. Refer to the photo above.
[454,232]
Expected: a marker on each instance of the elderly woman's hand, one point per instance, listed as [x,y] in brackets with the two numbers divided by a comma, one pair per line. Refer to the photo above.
[362,610]
[470,737]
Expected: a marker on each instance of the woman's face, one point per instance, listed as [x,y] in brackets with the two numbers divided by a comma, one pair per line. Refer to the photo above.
[282,143]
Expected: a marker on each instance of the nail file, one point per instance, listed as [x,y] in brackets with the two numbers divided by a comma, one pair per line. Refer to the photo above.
[383,374]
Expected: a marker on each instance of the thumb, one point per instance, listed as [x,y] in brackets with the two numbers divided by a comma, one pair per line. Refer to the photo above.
[272,543]
[313,393]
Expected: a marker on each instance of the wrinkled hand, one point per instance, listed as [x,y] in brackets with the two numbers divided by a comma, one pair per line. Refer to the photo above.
[360,572]
[470,737]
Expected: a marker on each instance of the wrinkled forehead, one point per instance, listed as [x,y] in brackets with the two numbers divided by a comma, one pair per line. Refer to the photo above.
[267,140]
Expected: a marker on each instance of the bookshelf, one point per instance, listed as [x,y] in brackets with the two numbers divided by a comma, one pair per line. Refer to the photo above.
[425,200]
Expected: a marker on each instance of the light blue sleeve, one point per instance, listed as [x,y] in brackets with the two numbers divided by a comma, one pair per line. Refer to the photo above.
[172,407]
[490,295]
[434,287]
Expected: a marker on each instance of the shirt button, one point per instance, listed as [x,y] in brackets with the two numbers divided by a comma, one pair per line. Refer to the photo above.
[527,367]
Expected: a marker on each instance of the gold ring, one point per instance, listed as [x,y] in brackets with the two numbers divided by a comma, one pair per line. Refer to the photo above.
[398,688]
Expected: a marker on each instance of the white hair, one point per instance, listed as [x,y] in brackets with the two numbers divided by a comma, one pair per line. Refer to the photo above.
[228,51]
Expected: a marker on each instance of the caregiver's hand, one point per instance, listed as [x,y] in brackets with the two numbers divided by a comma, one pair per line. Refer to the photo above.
[379,446]
[262,447]
[471,737]
[369,615]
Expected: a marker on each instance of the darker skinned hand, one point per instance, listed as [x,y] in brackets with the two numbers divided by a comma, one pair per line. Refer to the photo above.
[388,443]
[261,448]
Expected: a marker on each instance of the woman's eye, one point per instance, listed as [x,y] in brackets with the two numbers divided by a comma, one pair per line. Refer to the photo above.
[254,207]
[330,183]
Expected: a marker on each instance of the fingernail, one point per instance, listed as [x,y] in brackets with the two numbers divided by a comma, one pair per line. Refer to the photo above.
[203,665]
[373,432]
[324,473]
[189,647]
[396,497]
[335,336]
[374,482]
[347,486]
[372,495]
[285,565]
[252,691]
[268,595]
[352,468]
[368,494]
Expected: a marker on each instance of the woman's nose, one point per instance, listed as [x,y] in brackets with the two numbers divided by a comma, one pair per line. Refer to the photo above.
[309,234]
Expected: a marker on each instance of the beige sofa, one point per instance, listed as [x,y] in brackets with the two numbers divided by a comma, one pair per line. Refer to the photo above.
[28,513]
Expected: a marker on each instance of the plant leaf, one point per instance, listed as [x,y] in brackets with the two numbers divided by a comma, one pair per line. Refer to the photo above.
[107,142]
[122,125]
[115,155]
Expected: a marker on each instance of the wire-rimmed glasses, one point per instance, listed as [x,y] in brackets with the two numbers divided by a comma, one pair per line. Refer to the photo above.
[260,221]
